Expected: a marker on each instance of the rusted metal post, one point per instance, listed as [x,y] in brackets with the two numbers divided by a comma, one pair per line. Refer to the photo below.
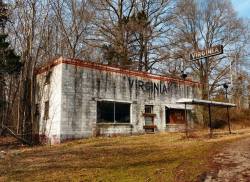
[228,120]
[210,121]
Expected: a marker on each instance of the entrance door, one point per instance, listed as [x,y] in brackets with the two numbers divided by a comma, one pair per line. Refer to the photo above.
[149,119]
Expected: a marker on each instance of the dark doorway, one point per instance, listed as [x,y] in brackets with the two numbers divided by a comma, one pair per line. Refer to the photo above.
[174,116]
[167,115]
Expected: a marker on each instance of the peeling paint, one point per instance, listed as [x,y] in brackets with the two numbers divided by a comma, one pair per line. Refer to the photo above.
[82,87]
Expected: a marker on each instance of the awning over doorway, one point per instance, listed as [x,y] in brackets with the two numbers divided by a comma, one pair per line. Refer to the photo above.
[204,102]
[210,104]
[178,106]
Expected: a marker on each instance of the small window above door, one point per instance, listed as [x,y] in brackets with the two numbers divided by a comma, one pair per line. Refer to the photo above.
[149,109]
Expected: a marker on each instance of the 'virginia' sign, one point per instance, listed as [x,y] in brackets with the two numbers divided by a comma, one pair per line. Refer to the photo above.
[212,51]
[152,87]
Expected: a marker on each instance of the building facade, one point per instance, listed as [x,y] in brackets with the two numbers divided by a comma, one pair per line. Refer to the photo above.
[81,99]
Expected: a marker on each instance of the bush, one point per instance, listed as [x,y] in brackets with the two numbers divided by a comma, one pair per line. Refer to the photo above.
[219,117]
[218,123]
[241,117]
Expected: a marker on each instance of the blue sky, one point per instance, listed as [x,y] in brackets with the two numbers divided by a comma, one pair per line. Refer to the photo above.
[242,7]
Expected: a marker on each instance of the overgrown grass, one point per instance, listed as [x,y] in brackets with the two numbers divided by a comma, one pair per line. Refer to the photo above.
[152,157]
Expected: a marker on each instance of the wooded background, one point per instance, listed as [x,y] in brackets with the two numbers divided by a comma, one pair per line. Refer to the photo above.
[156,36]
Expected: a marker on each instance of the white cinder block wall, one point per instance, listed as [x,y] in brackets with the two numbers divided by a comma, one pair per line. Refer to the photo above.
[50,129]
[74,92]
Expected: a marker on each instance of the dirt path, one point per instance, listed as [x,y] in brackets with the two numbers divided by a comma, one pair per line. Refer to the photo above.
[233,163]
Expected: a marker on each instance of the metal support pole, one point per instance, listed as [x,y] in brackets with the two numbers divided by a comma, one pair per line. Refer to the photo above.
[210,121]
[228,121]
[186,122]
[226,94]
[184,89]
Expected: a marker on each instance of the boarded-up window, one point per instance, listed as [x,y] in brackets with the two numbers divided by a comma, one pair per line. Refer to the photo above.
[46,110]
[113,112]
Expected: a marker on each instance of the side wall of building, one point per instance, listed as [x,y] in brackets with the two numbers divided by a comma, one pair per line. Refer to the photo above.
[48,99]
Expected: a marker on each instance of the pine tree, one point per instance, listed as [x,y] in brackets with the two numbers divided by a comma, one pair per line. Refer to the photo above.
[9,62]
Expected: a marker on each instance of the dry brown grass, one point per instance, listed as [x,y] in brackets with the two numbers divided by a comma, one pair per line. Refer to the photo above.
[152,157]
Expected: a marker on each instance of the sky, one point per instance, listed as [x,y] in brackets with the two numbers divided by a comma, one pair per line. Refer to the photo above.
[242,7]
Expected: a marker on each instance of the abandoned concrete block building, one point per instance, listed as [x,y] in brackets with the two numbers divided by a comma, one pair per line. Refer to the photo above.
[80,99]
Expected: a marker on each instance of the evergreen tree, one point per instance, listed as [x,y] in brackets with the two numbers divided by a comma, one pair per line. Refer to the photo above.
[9,61]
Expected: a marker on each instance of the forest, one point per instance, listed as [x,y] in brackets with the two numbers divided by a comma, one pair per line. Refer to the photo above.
[155,36]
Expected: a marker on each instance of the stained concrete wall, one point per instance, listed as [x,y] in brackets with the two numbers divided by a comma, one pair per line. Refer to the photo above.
[74,90]
[83,87]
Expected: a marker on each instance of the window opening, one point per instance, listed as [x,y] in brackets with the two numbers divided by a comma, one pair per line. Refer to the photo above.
[113,112]
[148,108]
[122,112]
[105,112]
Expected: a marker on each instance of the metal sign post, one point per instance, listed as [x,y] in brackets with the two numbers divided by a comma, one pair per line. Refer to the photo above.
[205,54]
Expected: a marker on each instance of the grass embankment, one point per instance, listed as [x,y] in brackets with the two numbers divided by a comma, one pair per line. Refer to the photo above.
[152,157]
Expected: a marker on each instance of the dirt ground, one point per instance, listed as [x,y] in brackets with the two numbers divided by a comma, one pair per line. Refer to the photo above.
[232,164]
[9,143]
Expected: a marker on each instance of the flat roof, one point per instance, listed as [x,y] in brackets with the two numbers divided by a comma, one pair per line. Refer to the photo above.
[108,68]
[204,102]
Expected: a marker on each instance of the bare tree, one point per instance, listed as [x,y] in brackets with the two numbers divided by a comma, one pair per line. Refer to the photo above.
[152,30]
[72,20]
[29,19]
[134,33]
[202,24]
[111,32]
[40,31]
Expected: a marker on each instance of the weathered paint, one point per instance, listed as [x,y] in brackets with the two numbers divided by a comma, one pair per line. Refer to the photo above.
[76,87]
